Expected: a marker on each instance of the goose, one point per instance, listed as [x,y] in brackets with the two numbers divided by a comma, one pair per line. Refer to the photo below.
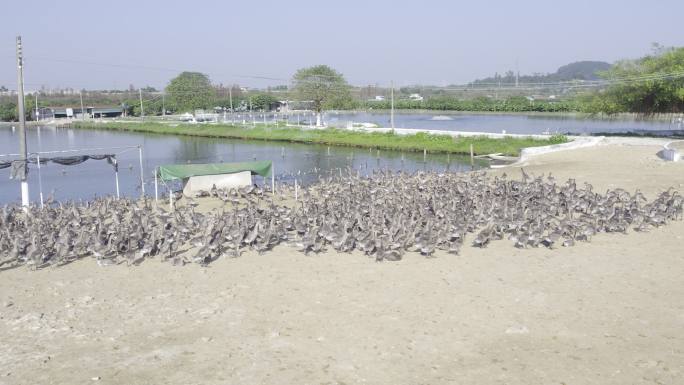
[383,214]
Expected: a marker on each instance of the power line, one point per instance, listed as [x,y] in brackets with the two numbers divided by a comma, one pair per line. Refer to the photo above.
[475,86]
[143,67]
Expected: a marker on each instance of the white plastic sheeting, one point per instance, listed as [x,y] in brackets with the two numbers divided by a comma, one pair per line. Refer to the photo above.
[222,181]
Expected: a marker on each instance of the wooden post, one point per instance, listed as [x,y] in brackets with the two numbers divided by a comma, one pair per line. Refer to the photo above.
[472,157]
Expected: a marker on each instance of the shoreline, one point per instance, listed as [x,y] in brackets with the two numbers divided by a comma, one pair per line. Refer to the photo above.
[622,116]
[430,141]
[577,115]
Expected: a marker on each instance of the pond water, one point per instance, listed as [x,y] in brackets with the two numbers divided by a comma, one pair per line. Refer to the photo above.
[497,123]
[307,161]
[86,180]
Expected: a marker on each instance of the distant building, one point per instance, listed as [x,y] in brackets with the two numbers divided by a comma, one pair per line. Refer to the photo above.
[283,106]
[67,112]
[379,98]
[105,112]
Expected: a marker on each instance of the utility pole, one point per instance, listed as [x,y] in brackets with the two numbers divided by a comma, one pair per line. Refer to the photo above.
[517,73]
[22,126]
[163,106]
[142,111]
[230,97]
[36,117]
[392,104]
[80,93]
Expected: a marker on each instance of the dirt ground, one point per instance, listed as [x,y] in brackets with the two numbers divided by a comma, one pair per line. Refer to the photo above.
[606,312]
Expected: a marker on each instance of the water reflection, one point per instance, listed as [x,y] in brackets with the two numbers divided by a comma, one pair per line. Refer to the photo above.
[95,178]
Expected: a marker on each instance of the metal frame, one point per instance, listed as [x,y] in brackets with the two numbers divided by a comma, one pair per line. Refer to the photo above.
[116,172]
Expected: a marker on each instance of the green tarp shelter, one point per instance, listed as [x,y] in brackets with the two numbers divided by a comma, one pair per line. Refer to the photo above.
[182,171]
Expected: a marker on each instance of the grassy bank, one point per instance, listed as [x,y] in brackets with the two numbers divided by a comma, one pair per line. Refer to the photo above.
[337,137]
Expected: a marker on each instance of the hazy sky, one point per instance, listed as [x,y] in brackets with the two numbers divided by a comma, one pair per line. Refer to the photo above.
[96,44]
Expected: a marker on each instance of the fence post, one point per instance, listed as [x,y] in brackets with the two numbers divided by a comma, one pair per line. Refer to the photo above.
[116,177]
[273,178]
[156,186]
[40,182]
[142,177]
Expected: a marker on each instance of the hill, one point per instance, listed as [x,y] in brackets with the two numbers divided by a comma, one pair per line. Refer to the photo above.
[581,70]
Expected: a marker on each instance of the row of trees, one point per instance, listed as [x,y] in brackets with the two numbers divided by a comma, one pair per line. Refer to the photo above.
[190,91]
[320,86]
[512,104]
[9,111]
[652,84]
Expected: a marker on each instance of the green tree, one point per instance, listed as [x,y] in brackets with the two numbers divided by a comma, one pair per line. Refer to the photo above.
[648,85]
[324,87]
[263,101]
[29,107]
[8,111]
[189,91]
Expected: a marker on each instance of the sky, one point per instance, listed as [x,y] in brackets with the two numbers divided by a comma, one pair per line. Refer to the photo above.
[106,45]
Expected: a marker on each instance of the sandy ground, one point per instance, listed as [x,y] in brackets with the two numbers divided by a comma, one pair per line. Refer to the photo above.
[606,312]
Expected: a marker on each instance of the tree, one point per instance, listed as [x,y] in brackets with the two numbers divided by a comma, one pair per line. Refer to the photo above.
[189,91]
[8,111]
[263,101]
[324,87]
[648,85]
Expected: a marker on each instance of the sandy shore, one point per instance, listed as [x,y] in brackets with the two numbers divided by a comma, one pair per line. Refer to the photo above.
[606,312]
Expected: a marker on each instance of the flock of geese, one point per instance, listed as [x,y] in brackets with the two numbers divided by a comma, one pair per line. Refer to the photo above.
[383,215]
